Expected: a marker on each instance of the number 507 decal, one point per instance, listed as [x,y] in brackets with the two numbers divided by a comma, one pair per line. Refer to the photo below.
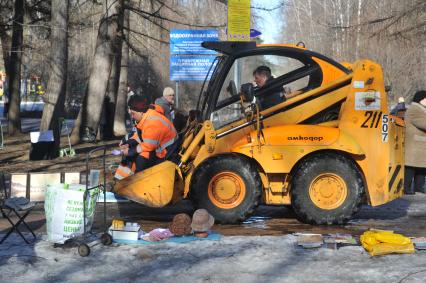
[385,128]
[372,120]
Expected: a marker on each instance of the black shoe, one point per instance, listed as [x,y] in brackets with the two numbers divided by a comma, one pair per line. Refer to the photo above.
[88,135]
[423,191]
[409,193]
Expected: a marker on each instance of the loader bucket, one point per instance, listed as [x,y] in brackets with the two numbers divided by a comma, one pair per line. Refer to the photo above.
[152,187]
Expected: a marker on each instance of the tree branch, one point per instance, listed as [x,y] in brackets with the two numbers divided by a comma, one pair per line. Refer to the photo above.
[399,17]
[143,34]
[170,8]
[375,21]
[135,50]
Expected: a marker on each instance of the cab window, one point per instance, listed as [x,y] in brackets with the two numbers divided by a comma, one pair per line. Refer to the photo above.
[228,107]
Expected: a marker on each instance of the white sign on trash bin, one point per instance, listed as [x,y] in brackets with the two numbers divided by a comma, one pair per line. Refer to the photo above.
[46,136]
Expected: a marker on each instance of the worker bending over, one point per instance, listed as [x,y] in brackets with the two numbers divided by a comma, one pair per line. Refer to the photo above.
[153,134]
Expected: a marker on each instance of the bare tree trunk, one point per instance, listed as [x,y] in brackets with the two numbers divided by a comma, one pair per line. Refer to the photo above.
[55,92]
[101,67]
[15,69]
[119,128]
[113,84]
[6,42]
[5,37]
[311,22]
[107,118]
[358,29]
[298,23]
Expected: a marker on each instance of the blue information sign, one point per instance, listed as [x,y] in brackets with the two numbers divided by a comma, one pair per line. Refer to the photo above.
[254,33]
[189,41]
[190,68]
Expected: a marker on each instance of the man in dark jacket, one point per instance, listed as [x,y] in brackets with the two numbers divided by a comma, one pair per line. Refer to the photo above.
[166,102]
[262,75]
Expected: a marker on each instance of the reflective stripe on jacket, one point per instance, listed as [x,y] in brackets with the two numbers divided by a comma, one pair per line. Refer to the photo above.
[123,172]
[157,133]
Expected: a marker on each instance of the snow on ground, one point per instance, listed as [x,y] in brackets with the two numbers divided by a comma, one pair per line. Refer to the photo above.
[231,259]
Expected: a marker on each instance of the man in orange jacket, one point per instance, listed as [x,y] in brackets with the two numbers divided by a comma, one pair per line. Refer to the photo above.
[154,133]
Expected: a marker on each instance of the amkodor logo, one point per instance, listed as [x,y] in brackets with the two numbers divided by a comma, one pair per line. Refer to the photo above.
[300,138]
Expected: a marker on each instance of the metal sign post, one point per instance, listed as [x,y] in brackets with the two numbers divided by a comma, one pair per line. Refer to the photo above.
[1,136]
[177,94]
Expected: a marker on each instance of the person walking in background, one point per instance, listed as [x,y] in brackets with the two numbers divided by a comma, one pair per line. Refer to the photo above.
[167,103]
[127,118]
[399,109]
[5,105]
[415,144]
[2,95]
[5,96]
[130,93]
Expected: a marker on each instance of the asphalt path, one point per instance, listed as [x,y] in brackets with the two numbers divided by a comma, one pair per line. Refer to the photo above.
[406,215]
[33,125]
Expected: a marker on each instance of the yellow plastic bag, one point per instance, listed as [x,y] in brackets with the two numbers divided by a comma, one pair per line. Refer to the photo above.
[368,238]
[386,248]
[392,238]
[385,242]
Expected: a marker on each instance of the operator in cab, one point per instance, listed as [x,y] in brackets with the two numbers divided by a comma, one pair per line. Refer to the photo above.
[262,76]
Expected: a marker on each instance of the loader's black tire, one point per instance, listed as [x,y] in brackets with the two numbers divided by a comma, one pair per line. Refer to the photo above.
[326,189]
[228,187]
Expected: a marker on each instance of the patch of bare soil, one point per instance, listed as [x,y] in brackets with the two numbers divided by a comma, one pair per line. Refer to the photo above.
[14,157]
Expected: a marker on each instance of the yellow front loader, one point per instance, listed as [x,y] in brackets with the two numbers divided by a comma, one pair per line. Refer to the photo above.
[324,151]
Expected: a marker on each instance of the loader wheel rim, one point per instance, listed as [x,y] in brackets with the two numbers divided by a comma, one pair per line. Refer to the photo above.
[328,191]
[226,190]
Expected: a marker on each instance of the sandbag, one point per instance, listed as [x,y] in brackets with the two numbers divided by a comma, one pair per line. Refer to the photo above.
[385,242]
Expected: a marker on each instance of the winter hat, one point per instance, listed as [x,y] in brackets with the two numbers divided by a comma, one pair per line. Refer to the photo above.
[181,225]
[419,96]
[168,91]
[138,103]
[201,221]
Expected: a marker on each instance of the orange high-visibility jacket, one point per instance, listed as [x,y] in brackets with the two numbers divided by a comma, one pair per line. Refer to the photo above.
[157,133]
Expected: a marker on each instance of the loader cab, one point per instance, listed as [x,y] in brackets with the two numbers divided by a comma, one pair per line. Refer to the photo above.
[293,69]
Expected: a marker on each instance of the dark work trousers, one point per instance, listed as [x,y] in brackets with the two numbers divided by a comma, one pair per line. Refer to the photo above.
[416,173]
[143,163]
[5,109]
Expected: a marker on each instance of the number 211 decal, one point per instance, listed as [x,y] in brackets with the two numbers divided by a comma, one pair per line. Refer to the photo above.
[372,121]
